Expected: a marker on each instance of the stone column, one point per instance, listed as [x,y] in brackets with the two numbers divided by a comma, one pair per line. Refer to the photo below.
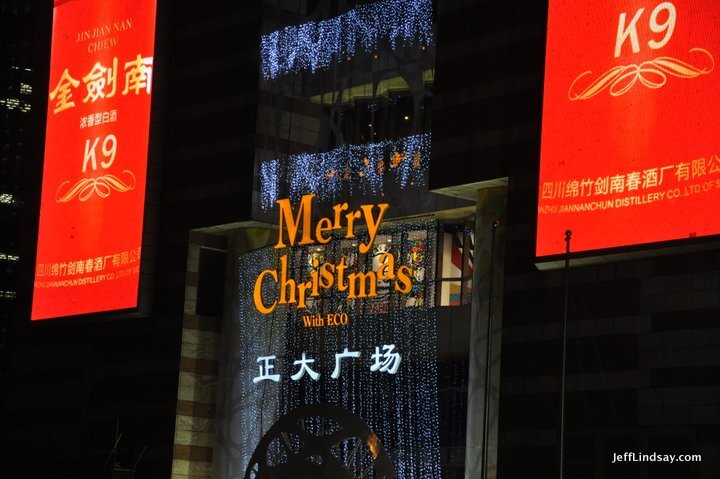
[491,206]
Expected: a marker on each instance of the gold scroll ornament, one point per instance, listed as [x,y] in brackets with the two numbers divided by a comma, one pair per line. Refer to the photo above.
[652,74]
[101,186]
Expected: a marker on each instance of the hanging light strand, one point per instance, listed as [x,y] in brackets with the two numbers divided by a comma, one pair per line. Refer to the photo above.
[402,409]
[317,45]
[362,169]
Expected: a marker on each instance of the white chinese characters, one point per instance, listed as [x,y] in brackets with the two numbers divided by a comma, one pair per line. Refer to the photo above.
[388,361]
[385,359]
[265,368]
[339,357]
[304,364]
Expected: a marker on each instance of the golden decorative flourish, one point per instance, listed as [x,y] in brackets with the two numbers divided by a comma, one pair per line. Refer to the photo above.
[652,74]
[102,186]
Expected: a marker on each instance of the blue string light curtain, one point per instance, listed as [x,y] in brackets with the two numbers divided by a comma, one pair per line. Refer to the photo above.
[317,45]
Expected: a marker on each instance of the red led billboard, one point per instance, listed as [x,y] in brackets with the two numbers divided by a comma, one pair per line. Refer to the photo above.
[630,146]
[93,189]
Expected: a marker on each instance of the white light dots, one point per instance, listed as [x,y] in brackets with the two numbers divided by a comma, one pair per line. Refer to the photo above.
[361,168]
[400,404]
[316,45]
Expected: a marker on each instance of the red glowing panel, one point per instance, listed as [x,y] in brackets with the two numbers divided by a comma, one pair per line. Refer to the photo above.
[93,190]
[630,144]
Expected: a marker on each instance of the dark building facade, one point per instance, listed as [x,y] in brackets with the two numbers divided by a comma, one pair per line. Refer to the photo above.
[73,385]
[443,123]
[17,87]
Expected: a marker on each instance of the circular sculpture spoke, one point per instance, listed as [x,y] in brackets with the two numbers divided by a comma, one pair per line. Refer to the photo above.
[320,442]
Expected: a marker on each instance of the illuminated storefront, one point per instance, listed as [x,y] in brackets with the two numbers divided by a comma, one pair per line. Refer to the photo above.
[352,327]
[342,299]
[372,353]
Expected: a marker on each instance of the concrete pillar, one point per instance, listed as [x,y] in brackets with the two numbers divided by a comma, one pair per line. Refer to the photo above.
[491,206]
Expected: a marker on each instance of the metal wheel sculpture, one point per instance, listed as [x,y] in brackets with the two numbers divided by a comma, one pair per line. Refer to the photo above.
[320,442]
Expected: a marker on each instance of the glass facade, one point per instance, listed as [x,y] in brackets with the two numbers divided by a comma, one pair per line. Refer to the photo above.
[344,115]
[345,102]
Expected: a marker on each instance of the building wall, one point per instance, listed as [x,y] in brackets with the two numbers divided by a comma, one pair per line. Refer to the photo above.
[642,350]
[16,145]
[488,90]
[642,370]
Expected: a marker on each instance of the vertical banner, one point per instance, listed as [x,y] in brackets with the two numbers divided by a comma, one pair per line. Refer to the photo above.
[93,190]
[630,147]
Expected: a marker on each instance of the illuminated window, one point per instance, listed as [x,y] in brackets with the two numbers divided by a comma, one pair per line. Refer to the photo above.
[456,243]
[13,103]
[417,256]
[10,103]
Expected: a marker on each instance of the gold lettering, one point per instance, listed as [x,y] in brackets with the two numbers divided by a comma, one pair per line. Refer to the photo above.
[387,267]
[323,226]
[340,268]
[362,284]
[327,277]
[286,284]
[257,292]
[372,224]
[302,288]
[351,217]
[338,211]
[304,212]
[403,284]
